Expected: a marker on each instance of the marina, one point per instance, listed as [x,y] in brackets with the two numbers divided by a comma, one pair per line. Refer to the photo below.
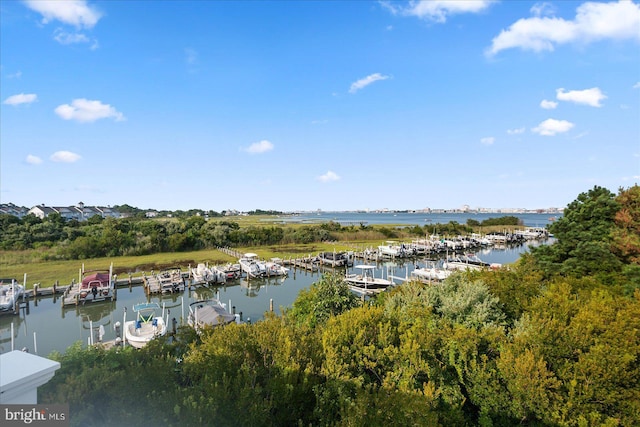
[46,319]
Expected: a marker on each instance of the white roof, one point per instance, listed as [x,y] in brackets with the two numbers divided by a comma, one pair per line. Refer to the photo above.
[21,374]
[365,267]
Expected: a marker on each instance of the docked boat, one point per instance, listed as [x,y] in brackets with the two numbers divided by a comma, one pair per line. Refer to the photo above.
[467,262]
[202,274]
[229,271]
[336,259]
[365,278]
[147,326]
[274,267]
[169,280]
[430,273]
[393,250]
[252,266]
[93,286]
[210,312]
[10,293]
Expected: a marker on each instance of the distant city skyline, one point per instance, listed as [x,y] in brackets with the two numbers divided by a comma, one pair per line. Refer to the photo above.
[291,106]
[5,206]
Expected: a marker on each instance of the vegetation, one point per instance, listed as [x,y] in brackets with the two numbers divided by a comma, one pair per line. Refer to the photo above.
[49,250]
[552,341]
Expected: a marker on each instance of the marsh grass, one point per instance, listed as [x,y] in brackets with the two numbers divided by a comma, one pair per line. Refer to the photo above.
[42,268]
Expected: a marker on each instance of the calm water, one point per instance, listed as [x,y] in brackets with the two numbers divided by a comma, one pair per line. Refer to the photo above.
[48,326]
[347,218]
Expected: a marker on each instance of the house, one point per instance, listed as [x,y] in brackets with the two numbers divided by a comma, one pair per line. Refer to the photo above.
[11,209]
[80,212]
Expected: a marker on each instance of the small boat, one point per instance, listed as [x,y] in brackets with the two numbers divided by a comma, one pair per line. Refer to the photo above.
[169,280]
[430,273]
[229,271]
[466,262]
[10,293]
[202,274]
[366,279]
[92,286]
[336,259]
[392,249]
[251,264]
[275,268]
[147,326]
[209,312]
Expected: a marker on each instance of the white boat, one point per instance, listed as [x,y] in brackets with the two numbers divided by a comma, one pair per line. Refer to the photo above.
[392,249]
[202,274]
[466,262]
[275,268]
[365,278]
[10,293]
[430,274]
[229,271]
[147,326]
[210,312]
[251,264]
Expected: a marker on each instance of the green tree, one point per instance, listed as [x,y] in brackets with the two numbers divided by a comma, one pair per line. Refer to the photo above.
[329,296]
[583,236]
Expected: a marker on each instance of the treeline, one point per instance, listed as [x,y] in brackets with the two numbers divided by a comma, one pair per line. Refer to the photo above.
[110,237]
[552,341]
[504,220]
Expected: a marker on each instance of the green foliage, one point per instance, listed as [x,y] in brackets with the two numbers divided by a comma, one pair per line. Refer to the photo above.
[329,296]
[515,287]
[503,220]
[583,235]
[546,342]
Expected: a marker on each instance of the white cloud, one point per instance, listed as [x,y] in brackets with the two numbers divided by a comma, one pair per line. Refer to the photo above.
[328,177]
[636,86]
[487,140]
[15,75]
[22,98]
[259,147]
[319,122]
[517,131]
[364,82]
[543,9]
[591,97]
[65,157]
[64,37]
[33,160]
[593,22]
[550,127]
[438,10]
[73,12]
[548,105]
[85,110]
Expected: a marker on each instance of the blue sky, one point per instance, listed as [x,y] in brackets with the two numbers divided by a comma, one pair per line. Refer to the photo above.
[304,105]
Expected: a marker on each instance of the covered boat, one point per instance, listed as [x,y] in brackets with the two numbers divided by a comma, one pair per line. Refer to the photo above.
[209,312]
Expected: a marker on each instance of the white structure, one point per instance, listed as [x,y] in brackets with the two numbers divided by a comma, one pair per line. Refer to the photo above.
[21,374]
[79,212]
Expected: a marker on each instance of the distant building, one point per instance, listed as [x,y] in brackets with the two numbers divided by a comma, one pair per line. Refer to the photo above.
[80,212]
[11,209]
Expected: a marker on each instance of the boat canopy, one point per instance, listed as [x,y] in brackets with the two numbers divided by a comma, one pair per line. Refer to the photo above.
[146,306]
[365,267]
[100,277]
